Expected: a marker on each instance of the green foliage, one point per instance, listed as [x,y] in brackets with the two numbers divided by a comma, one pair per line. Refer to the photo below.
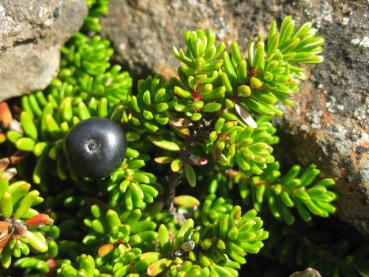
[233,143]
[207,133]
[288,191]
[151,104]
[96,8]
[86,267]
[87,85]
[131,186]
[273,74]
[132,244]
[197,89]
[21,225]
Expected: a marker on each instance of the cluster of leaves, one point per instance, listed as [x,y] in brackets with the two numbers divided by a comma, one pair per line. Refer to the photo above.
[210,128]
[132,245]
[23,229]
[290,190]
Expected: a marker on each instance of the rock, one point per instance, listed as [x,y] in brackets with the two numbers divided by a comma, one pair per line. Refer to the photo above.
[144,32]
[309,272]
[31,32]
[329,123]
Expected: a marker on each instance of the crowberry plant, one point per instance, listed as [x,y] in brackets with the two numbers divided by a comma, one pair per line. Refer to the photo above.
[197,168]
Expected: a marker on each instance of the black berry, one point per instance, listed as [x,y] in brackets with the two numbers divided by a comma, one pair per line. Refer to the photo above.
[95,147]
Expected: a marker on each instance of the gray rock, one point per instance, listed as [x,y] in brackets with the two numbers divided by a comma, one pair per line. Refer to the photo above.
[144,32]
[329,123]
[31,32]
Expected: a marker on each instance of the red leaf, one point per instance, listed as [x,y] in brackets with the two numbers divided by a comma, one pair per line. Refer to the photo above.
[40,219]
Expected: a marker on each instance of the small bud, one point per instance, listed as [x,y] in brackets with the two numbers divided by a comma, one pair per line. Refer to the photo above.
[206,244]
[255,82]
[220,244]
[229,103]
[244,91]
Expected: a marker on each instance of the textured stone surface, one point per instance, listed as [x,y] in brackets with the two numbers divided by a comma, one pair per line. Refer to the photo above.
[143,32]
[31,32]
[329,124]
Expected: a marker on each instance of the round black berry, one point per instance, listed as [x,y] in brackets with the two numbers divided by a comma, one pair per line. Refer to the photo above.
[95,147]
